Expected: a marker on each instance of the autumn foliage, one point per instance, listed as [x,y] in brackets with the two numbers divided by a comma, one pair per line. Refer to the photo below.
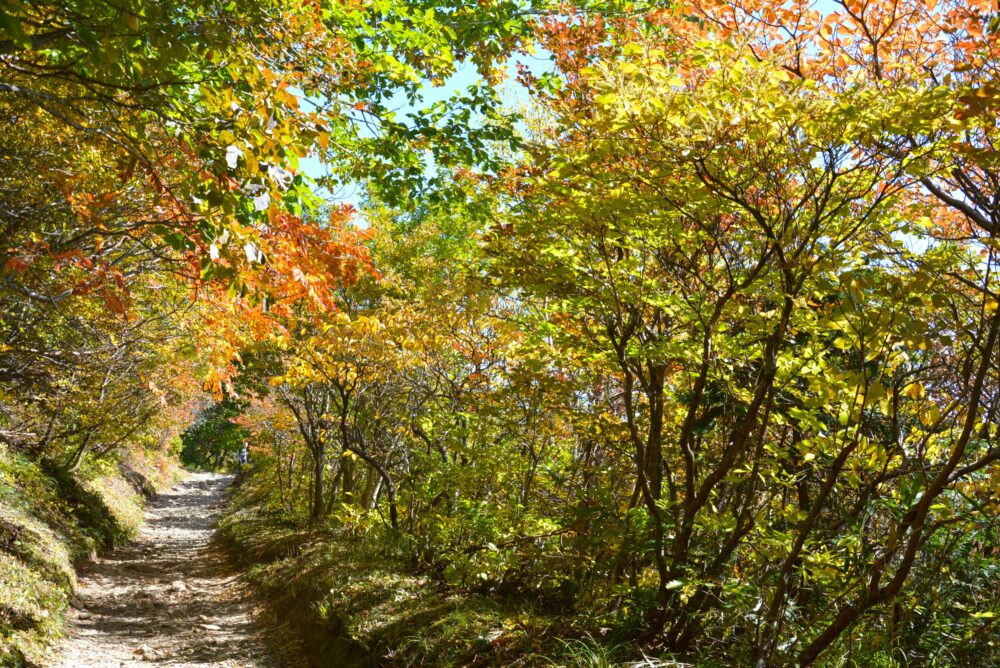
[696,351]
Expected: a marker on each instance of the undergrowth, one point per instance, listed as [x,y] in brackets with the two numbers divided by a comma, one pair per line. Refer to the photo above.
[357,601]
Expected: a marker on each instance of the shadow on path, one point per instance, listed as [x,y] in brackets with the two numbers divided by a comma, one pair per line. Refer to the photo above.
[169,598]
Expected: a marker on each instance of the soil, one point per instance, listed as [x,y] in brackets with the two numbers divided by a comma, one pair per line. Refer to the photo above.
[170,598]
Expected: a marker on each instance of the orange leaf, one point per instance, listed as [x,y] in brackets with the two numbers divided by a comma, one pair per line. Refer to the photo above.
[114,302]
[16,265]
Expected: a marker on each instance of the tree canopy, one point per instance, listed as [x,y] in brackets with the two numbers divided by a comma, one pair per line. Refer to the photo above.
[696,343]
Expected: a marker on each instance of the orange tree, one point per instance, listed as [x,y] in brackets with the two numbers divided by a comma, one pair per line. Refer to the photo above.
[149,145]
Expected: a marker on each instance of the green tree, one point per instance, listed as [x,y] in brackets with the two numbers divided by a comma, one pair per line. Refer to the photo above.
[214,439]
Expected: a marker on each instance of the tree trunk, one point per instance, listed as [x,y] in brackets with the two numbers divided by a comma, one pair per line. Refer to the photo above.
[319,465]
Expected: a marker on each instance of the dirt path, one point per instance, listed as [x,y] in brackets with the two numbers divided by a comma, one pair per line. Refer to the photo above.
[169,599]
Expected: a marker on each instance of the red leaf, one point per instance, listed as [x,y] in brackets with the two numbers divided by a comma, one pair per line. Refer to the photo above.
[16,265]
[114,303]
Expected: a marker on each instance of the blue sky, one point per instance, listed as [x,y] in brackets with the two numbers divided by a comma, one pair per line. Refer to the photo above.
[513,94]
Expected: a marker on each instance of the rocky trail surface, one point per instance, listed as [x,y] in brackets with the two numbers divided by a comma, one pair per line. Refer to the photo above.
[169,599]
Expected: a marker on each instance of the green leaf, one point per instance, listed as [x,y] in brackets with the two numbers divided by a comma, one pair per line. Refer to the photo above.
[11,26]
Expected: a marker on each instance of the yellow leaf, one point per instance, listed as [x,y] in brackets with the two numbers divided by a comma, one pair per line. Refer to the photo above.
[930,416]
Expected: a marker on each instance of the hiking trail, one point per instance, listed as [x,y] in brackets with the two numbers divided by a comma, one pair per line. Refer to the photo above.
[169,598]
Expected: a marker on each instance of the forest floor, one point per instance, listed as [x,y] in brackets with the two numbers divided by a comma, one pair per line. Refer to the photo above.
[170,598]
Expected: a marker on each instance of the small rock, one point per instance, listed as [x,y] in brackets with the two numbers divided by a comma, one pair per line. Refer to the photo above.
[211,627]
[145,652]
[83,614]
[177,585]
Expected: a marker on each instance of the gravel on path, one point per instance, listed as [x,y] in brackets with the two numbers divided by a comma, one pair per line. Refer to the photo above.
[169,598]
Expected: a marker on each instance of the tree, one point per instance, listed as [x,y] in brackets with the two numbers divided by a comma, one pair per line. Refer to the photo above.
[214,439]
[148,143]
[704,225]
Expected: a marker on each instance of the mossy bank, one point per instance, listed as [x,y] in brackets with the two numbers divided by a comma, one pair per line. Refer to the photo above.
[49,520]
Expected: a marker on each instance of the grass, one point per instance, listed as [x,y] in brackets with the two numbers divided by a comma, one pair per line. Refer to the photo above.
[357,603]
[383,614]
[48,520]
